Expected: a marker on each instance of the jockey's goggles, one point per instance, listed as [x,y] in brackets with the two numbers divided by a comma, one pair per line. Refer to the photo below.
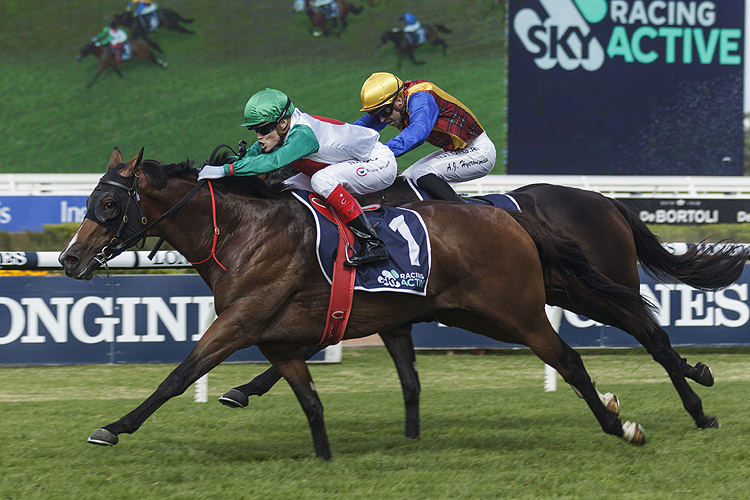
[265,129]
[383,112]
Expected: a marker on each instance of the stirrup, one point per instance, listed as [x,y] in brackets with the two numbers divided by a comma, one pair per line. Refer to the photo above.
[366,259]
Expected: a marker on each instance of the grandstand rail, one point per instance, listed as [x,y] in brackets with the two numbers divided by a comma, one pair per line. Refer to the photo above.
[657,186]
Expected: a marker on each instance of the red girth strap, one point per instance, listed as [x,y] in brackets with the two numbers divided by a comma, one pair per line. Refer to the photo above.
[342,282]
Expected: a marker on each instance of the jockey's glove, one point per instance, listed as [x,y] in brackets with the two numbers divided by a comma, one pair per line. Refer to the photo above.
[211,172]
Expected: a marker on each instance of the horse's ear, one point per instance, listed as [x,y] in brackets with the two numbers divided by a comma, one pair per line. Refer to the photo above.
[129,169]
[115,159]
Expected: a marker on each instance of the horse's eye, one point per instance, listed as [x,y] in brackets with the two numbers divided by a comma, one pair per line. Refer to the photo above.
[108,208]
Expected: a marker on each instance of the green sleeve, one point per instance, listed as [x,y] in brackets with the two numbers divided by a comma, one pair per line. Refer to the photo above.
[300,142]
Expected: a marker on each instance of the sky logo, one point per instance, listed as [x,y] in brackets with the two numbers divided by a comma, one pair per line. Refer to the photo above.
[564,37]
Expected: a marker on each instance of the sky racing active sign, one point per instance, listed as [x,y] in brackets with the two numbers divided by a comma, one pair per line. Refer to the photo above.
[625,87]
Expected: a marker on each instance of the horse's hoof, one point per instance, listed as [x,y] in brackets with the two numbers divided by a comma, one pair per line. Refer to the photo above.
[706,376]
[234,399]
[633,433]
[103,437]
[611,402]
[709,423]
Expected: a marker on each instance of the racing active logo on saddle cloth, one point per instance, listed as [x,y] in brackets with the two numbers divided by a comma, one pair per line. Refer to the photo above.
[405,237]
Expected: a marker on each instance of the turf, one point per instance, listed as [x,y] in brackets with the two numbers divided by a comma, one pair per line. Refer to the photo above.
[489,431]
[51,124]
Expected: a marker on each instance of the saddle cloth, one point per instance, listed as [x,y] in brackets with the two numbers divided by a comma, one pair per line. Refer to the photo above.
[405,235]
[504,201]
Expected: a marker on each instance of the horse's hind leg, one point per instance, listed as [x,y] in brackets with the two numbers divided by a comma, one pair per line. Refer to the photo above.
[661,350]
[569,364]
[238,397]
[401,348]
[181,29]
[293,368]
[656,342]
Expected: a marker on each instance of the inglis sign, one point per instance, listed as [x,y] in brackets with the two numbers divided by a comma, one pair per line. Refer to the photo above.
[625,87]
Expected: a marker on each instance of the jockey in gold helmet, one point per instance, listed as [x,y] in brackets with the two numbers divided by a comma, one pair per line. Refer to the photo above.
[425,113]
[145,12]
[333,159]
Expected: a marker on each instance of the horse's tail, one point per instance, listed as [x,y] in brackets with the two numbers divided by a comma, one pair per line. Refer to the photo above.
[442,28]
[702,267]
[355,9]
[565,265]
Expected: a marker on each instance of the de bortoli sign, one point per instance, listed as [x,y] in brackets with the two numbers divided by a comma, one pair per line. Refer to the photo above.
[625,87]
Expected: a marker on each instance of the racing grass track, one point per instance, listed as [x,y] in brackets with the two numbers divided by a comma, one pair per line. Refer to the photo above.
[484,436]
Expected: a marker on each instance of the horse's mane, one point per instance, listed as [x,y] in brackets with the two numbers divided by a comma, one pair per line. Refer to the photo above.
[159,174]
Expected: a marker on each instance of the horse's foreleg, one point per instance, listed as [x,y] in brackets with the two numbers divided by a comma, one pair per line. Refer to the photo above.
[238,397]
[157,61]
[88,85]
[293,368]
[401,348]
[414,59]
[213,348]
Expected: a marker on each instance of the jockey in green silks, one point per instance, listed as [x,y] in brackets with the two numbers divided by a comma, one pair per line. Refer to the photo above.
[333,159]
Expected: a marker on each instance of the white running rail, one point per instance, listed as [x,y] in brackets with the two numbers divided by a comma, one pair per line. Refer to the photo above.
[656,186]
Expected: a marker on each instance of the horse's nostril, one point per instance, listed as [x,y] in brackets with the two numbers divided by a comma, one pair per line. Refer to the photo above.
[69,261]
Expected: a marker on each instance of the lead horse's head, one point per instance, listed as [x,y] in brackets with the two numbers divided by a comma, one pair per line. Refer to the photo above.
[113,219]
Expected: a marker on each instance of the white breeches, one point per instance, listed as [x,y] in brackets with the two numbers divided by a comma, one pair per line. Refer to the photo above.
[472,162]
[357,177]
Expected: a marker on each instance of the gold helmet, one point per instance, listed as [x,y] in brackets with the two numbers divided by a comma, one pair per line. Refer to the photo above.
[378,90]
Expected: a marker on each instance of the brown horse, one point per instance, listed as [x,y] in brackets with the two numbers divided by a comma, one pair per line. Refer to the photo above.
[168,19]
[613,239]
[404,45]
[268,291]
[138,49]
[321,24]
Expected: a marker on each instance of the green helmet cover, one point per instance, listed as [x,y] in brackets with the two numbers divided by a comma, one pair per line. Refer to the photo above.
[266,106]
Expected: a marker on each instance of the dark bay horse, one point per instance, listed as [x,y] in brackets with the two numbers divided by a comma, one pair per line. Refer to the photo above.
[404,45]
[321,24]
[262,269]
[139,49]
[168,19]
[613,239]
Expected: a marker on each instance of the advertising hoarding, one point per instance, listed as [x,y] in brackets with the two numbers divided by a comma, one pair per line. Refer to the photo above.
[619,87]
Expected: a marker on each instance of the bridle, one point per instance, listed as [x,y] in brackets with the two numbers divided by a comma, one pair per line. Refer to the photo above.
[118,221]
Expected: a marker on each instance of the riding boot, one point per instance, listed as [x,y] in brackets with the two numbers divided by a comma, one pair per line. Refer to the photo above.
[371,248]
[438,188]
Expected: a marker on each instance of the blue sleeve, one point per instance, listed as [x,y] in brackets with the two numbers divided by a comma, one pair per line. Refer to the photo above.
[423,113]
[370,121]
